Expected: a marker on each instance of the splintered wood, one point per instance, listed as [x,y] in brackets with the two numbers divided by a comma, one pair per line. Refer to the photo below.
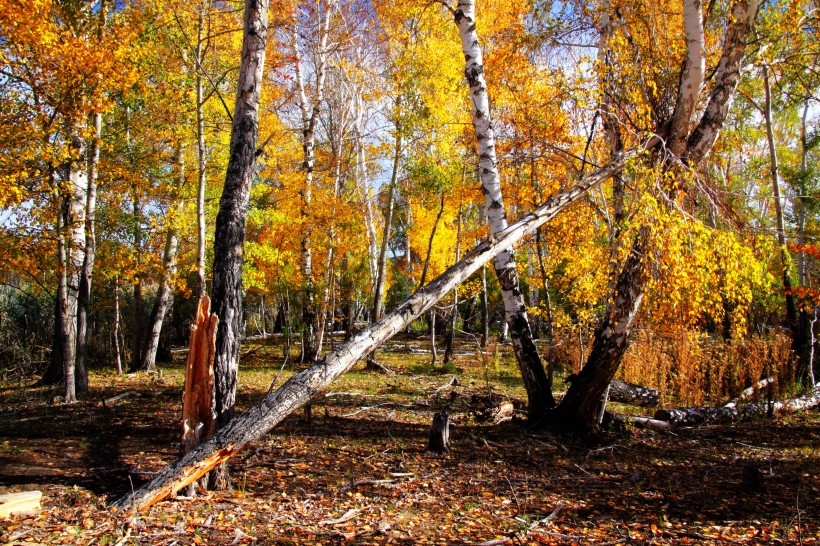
[197,398]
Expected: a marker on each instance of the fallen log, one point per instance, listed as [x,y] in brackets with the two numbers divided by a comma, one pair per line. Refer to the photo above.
[300,388]
[632,394]
[728,414]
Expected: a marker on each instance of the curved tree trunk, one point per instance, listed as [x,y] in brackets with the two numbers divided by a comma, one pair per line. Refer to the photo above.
[229,239]
[539,388]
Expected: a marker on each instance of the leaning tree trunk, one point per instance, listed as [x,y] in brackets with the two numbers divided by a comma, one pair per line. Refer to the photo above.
[299,389]
[229,235]
[539,388]
[580,408]
[165,295]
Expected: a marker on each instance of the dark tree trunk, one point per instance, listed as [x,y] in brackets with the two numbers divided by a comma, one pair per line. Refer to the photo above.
[229,235]
[579,409]
[54,372]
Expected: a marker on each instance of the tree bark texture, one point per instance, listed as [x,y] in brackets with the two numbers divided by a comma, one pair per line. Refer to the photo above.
[578,410]
[536,382]
[229,235]
[299,389]
[727,76]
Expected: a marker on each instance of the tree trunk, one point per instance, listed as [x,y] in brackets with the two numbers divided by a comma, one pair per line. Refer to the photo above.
[536,382]
[579,408]
[202,159]
[440,433]
[800,342]
[310,117]
[229,236]
[116,328]
[485,309]
[299,389]
[90,247]
[71,255]
[165,294]
[381,276]
[451,332]
[64,335]
[578,411]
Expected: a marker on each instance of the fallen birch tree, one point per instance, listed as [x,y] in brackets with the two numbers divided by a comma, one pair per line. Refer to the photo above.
[299,389]
[730,413]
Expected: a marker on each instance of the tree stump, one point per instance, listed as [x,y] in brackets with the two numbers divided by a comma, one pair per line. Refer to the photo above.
[197,397]
[440,433]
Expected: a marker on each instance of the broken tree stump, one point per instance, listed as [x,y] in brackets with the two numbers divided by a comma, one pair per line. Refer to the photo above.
[197,398]
[440,433]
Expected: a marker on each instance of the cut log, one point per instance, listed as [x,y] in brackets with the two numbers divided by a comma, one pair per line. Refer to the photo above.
[727,414]
[440,433]
[634,395]
[300,388]
[197,397]
[24,503]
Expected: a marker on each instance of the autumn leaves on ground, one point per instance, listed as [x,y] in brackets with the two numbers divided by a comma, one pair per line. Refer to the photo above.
[355,468]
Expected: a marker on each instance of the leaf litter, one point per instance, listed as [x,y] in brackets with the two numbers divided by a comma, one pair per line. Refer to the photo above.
[355,470]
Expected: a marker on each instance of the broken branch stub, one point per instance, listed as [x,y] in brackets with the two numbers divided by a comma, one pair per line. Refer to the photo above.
[197,397]
[300,388]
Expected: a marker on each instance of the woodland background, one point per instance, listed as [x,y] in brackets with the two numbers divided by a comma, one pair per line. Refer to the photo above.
[115,141]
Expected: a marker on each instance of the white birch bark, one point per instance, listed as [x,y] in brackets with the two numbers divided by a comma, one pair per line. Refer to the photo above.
[691,76]
[539,390]
[310,117]
[201,156]
[726,78]
[89,255]
[71,257]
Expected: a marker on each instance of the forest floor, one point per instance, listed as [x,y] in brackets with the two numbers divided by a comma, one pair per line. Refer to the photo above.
[357,472]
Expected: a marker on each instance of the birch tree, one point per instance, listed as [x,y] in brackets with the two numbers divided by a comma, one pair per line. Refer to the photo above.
[538,385]
[579,410]
[229,238]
